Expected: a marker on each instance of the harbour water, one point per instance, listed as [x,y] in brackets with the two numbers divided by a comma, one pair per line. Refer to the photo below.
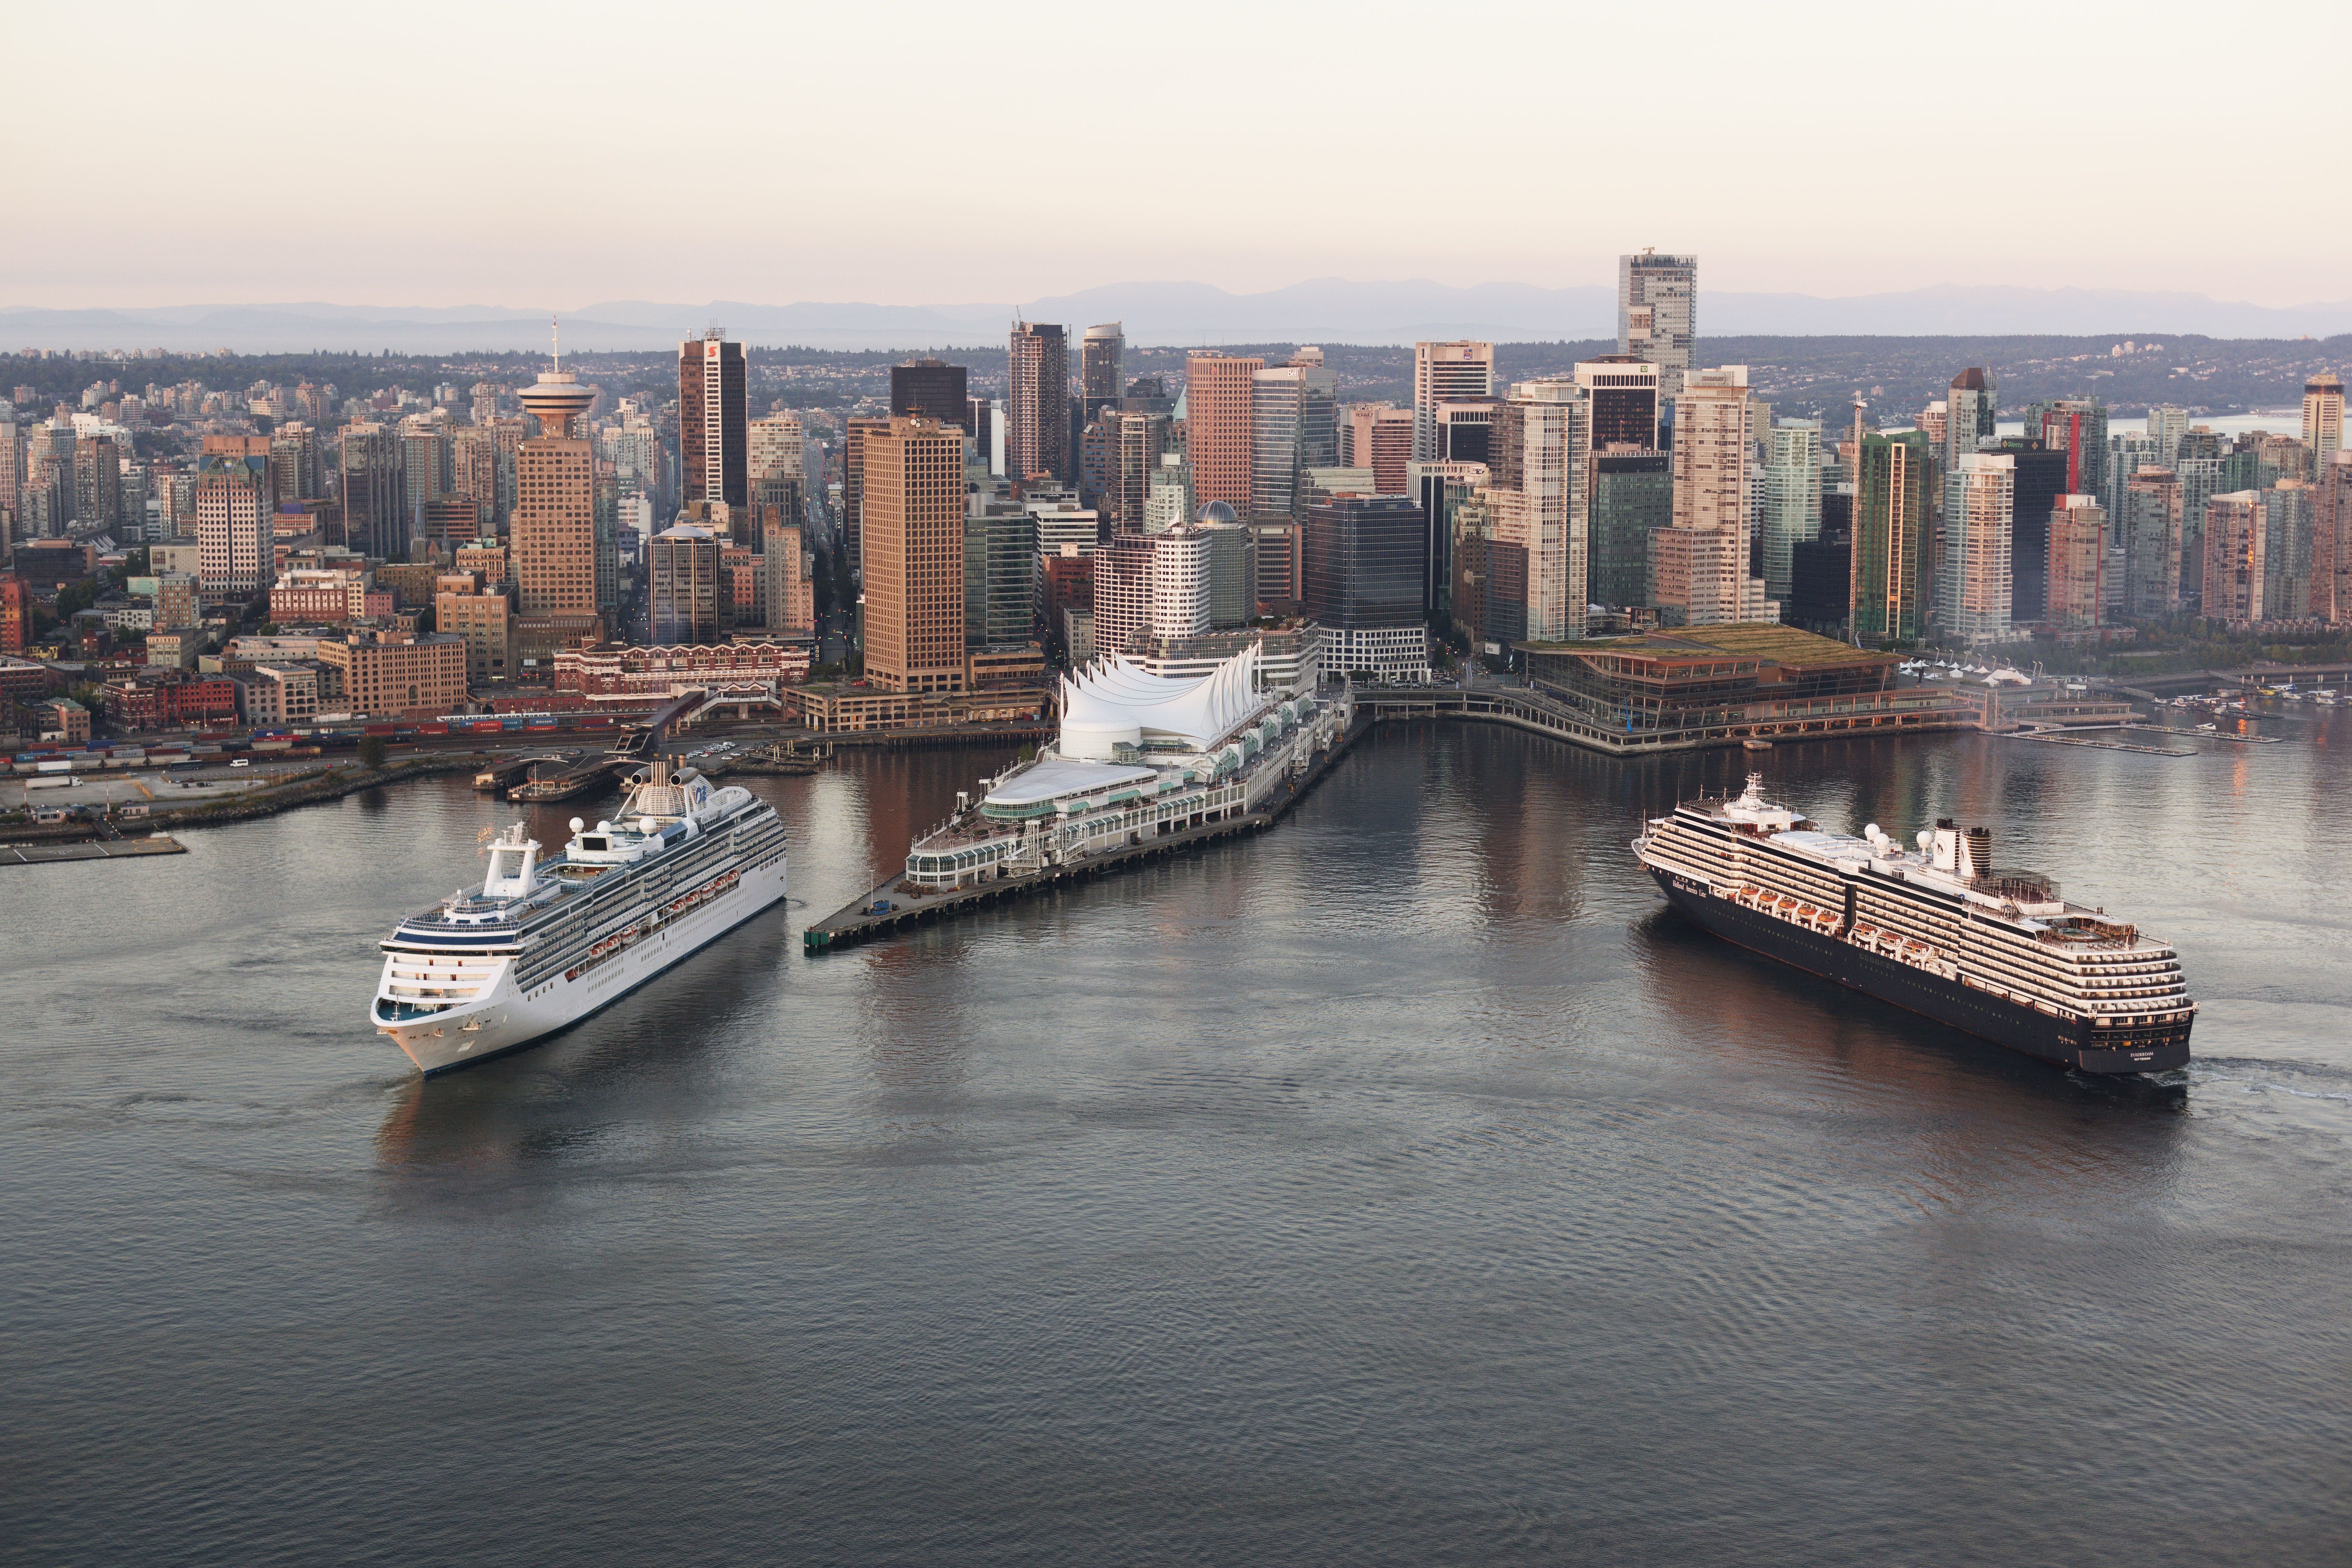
[1405,1184]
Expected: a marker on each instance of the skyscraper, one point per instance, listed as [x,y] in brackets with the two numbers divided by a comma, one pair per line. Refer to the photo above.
[1700,566]
[1367,559]
[1218,443]
[2076,563]
[2166,424]
[1792,497]
[1377,436]
[97,482]
[914,528]
[374,518]
[1277,431]
[2236,565]
[2150,525]
[2331,544]
[2078,427]
[684,587]
[2041,479]
[713,420]
[1891,585]
[1657,313]
[1982,533]
[1000,570]
[1624,392]
[1969,414]
[1459,372]
[930,389]
[777,445]
[856,430]
[2287,550]
[1099,386]
[554,525]
[1540,502]
[1632,498]
[1038,403]
[2323,420]
[235,504]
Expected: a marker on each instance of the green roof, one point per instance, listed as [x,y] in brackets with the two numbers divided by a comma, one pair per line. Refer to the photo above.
[1755,640]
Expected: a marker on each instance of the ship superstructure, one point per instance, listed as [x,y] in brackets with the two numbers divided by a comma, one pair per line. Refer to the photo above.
[543,943]
[1936,929]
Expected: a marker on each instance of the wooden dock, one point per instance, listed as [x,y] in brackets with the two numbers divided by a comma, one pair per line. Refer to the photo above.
[89,849]
[852,925]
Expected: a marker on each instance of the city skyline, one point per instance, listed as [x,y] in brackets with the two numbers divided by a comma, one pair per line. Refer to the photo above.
[615,137]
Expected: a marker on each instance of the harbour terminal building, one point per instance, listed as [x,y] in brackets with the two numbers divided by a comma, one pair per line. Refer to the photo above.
[1138,756]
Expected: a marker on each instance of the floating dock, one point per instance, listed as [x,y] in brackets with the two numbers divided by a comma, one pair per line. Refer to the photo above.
[89,849]
[855,923]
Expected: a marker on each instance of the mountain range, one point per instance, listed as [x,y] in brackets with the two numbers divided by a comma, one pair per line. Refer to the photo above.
[1327,309]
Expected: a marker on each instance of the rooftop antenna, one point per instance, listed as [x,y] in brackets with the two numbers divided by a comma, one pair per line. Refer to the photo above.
[555,337]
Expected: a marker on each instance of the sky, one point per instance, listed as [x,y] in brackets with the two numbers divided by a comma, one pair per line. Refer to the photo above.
[908,153]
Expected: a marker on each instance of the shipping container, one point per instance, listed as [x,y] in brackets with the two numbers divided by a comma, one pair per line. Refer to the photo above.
[433,728]
[380,730]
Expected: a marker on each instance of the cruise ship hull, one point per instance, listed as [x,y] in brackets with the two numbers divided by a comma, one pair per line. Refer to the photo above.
[504,1019]
[2067,1042]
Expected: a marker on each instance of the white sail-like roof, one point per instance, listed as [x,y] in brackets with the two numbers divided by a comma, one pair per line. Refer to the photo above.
[1117,702]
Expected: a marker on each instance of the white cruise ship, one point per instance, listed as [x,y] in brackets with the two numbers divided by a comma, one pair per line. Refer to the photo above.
[546,942]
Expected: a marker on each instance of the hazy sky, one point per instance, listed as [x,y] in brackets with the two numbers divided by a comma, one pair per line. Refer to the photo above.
[436,153]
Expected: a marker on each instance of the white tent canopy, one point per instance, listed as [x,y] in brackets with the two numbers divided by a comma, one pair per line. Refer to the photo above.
[1118,703]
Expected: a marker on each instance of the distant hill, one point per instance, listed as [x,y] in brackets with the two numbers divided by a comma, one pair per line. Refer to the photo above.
[1327,309]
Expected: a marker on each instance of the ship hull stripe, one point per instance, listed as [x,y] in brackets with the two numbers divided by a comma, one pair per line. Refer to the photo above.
[2066,1042]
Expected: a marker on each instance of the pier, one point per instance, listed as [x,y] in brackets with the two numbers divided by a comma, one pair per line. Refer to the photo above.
[89,849]
[854,923]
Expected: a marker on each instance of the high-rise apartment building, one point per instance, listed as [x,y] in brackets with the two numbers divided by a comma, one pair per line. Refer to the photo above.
[2076,565]
[2287,550]
[713,420]
[1792,497]
[1969,408]
[2331,546]
[1377,436]
[2150,526]
[1982,532]
[294,463]
[1219,393]
[235,538]
[1892,501]
[1623,391]
[2078,427]
[2041,479]
[1100,349]
[1168,502]
[1700,567]
[1458,372]
[2236,570]
[97,483]
[2166,424]
[1136,442]
[914,528]
[1539,494]
[1038,403]
[1657,313]
[2323,420]
[930,389]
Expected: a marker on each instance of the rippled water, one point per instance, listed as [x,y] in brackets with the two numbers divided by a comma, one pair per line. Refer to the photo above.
[1401,1185]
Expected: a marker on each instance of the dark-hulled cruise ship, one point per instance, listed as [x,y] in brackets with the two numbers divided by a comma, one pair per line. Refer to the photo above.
[1939,931]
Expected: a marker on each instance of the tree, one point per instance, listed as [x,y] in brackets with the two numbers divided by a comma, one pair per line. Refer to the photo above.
[371,751]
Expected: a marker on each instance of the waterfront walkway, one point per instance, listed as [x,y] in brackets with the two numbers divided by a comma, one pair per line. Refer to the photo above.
[1524,708]
[852,923]
[89,849]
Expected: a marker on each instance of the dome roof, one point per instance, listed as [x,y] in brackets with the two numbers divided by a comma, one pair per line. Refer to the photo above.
[1216,511]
